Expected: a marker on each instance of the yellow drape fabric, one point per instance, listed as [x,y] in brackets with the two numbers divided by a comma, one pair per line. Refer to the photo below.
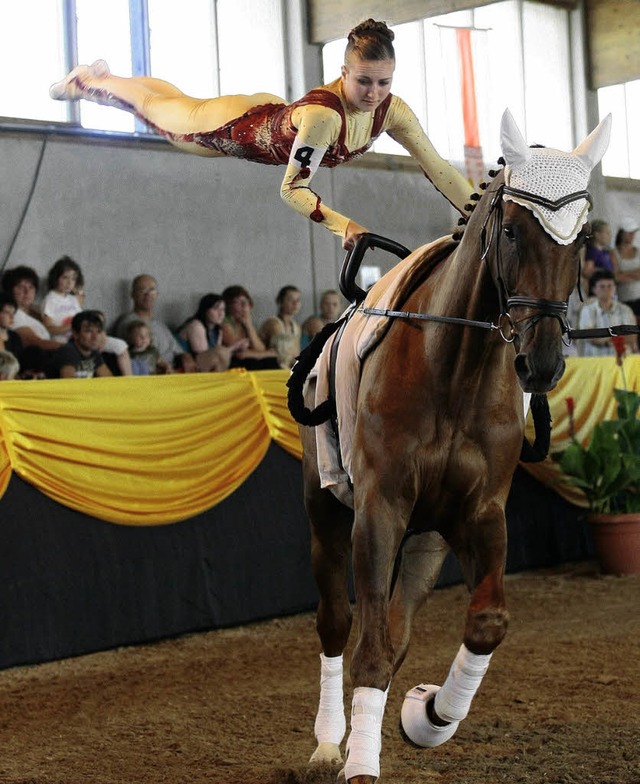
[153,450]
[143,450]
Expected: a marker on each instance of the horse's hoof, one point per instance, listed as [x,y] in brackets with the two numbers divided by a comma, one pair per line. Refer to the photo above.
[326,754]
[414,719]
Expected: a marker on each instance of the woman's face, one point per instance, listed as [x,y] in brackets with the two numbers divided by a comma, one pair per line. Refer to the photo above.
[367,83]
[291,302]
[603,235]
[24,292]
[216,313]
[240,307]
[330,307]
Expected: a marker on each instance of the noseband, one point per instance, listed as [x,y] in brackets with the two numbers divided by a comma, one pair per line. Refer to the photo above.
[544,307]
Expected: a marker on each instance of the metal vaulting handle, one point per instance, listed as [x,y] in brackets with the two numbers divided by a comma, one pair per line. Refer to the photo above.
[353,259]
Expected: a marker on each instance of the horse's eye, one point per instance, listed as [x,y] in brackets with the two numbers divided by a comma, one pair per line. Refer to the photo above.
[509,232]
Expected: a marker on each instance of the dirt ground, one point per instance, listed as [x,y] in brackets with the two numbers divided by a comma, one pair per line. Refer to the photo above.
[559,705]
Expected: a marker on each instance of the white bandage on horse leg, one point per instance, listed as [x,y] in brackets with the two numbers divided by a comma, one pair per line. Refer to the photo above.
[365,740]
[330,723]
[415,720]
[453,701]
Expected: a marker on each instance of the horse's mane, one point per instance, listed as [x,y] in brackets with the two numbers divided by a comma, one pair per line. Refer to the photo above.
[433,255]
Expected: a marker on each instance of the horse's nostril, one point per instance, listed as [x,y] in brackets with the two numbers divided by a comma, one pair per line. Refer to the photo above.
[522,366]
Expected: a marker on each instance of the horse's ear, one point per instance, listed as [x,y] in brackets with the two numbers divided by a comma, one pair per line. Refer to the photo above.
[591,150]
[514,148]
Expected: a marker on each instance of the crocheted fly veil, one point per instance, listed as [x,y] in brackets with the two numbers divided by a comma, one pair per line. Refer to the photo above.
[552,175]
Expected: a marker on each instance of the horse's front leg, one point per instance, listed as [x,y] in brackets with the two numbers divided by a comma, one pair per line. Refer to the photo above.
[330,523]
[375,541]
[430,714]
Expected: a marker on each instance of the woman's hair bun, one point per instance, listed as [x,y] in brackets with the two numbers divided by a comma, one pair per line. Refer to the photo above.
[372,27]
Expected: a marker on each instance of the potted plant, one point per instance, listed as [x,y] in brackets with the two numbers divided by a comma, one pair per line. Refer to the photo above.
[607,470]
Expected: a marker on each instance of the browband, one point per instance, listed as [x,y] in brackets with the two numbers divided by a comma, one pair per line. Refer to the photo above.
[548,203]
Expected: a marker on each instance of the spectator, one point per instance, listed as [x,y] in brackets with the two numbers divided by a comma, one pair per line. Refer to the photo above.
[238,326]
[115,351]
[282,332]
[201,334]
[37,345]
[628,275]
[145,359]
[60,303]
[330,308]
[81,357]
[144,293]
[604,310]
[9,366]
[9,339]
[599,253]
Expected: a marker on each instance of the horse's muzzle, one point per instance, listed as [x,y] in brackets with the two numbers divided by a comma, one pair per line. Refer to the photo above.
[538,374]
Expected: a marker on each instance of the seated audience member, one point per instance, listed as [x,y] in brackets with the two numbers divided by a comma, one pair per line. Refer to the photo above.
[282,332]
[21,283]
[604,310]
[60,303]
[115,351]
[9,366]
[628,275]
[81,357]
[599,254]
[331,306]
[144,293]
[145,360]
[238,325]
[201,334]
[9,339]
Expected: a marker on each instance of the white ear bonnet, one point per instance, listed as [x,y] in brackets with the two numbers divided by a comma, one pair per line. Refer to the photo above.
[552,175]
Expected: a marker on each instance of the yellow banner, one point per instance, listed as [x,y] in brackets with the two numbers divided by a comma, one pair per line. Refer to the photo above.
[153,450]
[142,450]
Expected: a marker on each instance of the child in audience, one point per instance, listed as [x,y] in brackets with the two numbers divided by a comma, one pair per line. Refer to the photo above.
[145,359]
[9,366]
[60,304]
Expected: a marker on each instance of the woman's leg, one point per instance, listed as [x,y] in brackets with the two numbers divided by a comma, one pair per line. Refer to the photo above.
[160,104]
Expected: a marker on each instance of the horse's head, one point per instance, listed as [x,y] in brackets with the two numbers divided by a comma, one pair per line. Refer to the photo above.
[537,226]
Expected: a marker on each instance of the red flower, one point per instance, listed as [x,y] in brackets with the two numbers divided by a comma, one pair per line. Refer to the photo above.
[620,347]
[571,405]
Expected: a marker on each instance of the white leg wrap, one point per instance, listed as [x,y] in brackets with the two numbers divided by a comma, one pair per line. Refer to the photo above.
[465,676]
[330,723]
[365,740]
[415,720]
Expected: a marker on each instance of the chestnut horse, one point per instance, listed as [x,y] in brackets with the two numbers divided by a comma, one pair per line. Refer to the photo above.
[438,433]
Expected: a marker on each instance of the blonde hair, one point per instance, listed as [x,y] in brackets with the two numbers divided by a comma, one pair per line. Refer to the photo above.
[9,366]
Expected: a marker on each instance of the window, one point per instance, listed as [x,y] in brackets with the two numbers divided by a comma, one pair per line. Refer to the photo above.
[508,62]
[204,47]
[622,158]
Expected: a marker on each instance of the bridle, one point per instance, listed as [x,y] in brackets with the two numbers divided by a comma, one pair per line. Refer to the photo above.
[492,227]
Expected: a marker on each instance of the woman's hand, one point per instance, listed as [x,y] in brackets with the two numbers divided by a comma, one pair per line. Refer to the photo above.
[239,345]
[354,230]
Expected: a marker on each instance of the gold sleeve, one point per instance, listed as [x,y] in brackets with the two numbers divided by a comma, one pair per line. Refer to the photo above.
[404,127]
[318,128]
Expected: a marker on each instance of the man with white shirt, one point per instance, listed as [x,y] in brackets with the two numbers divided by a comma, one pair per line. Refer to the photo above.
[604,310]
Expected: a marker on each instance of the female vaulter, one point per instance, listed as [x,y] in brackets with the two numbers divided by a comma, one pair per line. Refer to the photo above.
[327,126]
